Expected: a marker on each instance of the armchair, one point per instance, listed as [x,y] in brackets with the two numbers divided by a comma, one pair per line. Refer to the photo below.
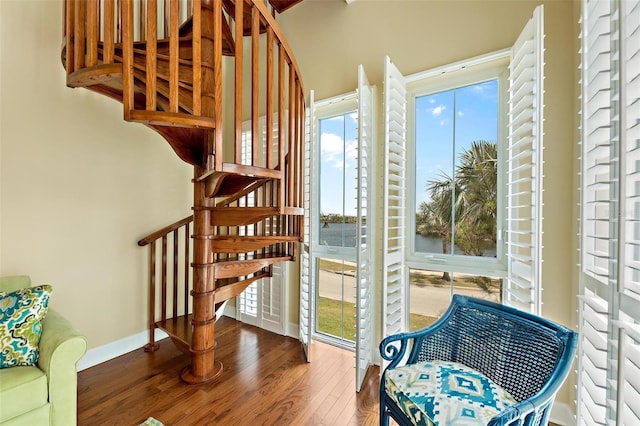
[481,363]
[46,393]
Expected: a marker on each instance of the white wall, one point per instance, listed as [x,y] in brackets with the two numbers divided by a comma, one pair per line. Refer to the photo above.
[78,185]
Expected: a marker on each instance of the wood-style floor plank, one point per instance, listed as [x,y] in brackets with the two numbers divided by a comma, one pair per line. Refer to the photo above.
[266,381]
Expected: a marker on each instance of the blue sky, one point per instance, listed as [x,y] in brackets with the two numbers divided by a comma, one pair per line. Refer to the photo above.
[338,158]
[474,114]
[471,111]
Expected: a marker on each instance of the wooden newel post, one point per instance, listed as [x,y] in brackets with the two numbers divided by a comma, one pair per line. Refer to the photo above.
[203,367]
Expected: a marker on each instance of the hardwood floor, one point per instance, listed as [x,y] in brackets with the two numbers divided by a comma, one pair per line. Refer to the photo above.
[265,381]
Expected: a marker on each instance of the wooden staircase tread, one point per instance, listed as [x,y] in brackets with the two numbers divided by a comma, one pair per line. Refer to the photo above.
[255,171]
[256,256]
[293,211]
[234,180]
[171,119]
[235,244]
[99,74]
[243,267]
[240,216]
[224,184]
[241,169]
[179,329]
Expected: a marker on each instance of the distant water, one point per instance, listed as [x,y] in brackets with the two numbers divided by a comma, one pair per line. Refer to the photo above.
[344,235]
[337,234]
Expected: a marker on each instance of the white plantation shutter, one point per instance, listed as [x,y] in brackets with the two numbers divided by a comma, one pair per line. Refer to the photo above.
[524,165]
[365,199]
[596,231]
[609,310]
[306,271]
[393,274]
[273,303]
[247,302]
[248,305]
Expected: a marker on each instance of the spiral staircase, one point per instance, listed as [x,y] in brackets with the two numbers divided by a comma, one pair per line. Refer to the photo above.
[169,62]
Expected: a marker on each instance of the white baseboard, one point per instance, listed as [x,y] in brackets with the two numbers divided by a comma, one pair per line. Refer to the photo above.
[229,311]
[293,330]
[112,350]
[561,414]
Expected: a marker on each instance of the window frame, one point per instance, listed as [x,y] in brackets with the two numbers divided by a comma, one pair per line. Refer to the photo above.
[324,109]
[493,66]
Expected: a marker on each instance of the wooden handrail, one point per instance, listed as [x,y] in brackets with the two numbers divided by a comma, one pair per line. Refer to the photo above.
[164,231]
[180,288]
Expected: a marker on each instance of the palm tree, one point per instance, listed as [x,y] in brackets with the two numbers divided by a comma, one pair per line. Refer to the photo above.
[477,178]
[466,205]
[438,214]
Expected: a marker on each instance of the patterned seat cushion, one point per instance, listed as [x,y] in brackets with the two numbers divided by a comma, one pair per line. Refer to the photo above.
[445,393]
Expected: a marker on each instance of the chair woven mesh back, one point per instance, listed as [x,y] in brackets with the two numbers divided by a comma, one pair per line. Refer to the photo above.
[513,359]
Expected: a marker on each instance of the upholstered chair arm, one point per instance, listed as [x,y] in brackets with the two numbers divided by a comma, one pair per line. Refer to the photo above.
[61,346]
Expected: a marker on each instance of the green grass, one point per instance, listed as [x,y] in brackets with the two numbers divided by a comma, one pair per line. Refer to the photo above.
[330,312]
[329,317]
[424,278]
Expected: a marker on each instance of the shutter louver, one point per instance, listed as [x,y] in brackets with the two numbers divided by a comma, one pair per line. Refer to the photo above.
[524,163]
[631,134]
[393,273]
[364,272]
[306,270]
[609,354]
[273,292]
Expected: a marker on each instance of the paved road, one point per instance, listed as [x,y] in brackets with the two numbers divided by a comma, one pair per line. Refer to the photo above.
[427,300]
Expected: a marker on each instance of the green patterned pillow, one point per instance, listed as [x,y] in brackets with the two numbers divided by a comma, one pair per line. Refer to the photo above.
[20,329]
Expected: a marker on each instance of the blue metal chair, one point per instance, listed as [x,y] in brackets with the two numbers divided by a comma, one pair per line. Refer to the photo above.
[488,349]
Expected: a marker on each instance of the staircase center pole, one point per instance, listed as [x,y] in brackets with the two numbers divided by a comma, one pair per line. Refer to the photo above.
[203,366]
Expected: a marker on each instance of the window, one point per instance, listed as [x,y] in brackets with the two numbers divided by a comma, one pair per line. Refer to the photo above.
[337,174]
[337,268]
[456,148]
[455,163]
[609,308]
[462,195]
[335,219]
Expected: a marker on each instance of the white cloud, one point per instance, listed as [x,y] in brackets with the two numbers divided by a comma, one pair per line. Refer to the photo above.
[436,111]
[432,101]
[331,150]
[460,114]
[331,144]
